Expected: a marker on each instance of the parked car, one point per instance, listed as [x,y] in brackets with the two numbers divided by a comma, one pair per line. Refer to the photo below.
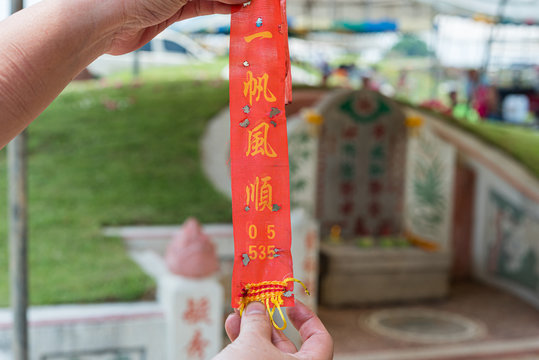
[169,48]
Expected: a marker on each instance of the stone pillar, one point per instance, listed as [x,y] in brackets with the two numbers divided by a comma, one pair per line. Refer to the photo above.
[192,296]
[305,250]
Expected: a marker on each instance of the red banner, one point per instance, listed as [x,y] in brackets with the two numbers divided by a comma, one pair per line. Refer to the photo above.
[260,85]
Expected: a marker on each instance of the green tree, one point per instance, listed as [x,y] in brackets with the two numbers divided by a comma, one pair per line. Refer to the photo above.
[410,45]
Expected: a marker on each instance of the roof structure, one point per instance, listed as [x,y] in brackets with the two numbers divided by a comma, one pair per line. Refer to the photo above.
[410,15]
[520,11]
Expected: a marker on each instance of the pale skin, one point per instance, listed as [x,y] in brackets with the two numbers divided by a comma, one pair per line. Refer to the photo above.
[44,47]
[254,337]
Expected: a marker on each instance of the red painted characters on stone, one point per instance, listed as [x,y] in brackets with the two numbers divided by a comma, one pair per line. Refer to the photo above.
[197,311]
[197,346]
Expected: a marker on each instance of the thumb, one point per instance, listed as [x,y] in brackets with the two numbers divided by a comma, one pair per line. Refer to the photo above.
[255,321]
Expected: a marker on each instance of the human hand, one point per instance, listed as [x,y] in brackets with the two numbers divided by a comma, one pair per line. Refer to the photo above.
[141,20]
[253,336]
[45,46]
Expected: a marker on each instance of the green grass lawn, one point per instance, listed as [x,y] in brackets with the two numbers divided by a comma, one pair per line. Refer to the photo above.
[111,156]
[520,143]
[201,71]
[130,155]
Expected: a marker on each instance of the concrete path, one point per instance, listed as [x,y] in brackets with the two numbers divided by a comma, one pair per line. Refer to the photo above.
[507,350]
[512,329]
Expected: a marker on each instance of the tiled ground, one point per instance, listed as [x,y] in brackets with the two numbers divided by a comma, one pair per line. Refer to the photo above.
[509,321]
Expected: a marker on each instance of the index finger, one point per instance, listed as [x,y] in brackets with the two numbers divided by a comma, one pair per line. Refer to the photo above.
[317,343]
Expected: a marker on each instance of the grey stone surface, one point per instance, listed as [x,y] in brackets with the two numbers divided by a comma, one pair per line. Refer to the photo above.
[355,276]
[423,325]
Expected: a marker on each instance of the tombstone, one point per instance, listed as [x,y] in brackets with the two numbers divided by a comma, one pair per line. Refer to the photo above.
[303,134]
[361,159]
[361,177]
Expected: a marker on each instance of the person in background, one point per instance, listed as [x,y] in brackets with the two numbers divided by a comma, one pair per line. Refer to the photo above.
[482,97]
[453,98]
[45,46]
[402,82]
[367,80]
[325,69]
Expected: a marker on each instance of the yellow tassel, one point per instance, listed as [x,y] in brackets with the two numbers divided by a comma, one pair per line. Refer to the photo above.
[269,293]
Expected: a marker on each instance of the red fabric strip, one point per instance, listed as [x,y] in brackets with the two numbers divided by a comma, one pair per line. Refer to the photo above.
[259,86]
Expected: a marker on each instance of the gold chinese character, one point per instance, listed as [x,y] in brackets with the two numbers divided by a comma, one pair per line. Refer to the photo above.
[258,142]
[259,35]
[259,194]
[255,87]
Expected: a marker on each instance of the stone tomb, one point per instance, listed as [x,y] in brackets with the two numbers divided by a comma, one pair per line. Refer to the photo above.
[360,184]
[352,276]
[362,156]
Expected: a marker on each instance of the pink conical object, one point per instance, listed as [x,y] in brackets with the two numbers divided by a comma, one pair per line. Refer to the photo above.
[191,253]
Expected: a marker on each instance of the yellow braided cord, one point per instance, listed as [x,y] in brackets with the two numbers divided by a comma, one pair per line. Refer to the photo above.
[269,293]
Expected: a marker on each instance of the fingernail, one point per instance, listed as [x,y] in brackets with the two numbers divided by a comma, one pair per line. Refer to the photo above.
[255,308]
